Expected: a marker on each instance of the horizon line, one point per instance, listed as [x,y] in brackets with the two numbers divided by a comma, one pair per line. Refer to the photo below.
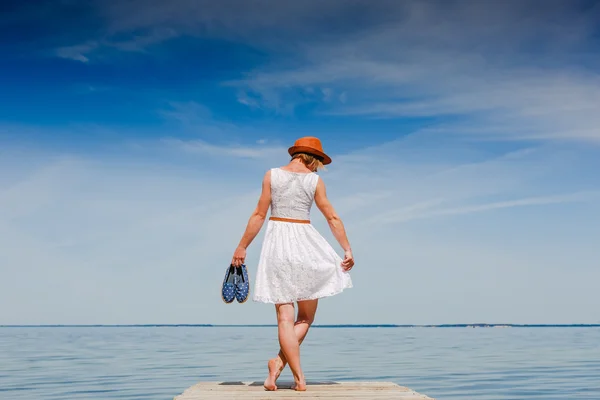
[461,325]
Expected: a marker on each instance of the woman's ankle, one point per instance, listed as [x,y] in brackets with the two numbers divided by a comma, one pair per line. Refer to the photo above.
[279,362]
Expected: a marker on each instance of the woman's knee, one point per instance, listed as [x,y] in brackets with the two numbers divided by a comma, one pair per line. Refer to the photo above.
[285,315]
[305,319]
[306,311]
[285,319]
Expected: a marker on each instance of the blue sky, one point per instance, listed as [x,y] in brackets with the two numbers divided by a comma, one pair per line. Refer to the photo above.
[465,138]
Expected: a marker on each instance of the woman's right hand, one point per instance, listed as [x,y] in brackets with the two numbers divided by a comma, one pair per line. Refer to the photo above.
[239,256]
[348,261]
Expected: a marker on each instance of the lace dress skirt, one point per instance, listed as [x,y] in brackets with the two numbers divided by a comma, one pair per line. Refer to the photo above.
[297,263]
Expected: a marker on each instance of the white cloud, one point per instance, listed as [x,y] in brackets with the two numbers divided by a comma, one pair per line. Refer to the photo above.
[512,70]
[140,43]
[327,94]
[509,102]
[443,70]
[187,113]
[99,46]
[197,120]
[430,209]
[243,98]
[230,150]
[77,52]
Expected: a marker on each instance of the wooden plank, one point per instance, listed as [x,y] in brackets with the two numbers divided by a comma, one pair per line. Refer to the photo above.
[315,390]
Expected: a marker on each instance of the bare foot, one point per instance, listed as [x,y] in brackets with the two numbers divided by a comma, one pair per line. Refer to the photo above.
[299,386]
[275,368]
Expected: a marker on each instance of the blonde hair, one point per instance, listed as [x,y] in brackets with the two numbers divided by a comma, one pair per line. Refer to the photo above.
[312,162]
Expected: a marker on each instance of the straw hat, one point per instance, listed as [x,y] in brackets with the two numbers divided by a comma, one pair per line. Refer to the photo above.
[310,145]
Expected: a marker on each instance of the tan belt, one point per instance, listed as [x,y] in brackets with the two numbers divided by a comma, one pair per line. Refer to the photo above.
[297,221]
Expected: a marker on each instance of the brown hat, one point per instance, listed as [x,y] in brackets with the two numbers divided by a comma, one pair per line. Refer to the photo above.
[310,145]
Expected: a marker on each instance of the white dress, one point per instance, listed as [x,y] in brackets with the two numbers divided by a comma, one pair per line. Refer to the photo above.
[296,263]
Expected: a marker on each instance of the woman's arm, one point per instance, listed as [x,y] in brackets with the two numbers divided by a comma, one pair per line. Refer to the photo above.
[335,223]
[255,222]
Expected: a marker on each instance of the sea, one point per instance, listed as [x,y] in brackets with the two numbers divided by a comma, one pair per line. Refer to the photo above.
[159,362]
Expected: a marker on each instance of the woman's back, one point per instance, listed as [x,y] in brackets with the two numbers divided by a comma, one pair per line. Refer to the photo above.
[292,193]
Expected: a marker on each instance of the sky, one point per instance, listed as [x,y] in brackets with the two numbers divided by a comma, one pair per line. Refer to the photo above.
[465,138]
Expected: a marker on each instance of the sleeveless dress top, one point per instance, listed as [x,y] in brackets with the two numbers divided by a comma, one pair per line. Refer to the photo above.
[296,263]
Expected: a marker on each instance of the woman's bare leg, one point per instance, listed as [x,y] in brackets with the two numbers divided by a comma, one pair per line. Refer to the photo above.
[306,315]
[289,345]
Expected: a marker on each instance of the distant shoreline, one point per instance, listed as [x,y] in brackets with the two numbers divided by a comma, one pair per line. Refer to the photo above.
[314,326]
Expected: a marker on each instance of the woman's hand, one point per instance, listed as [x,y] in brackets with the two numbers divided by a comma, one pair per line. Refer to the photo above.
[239,256]
[348,261]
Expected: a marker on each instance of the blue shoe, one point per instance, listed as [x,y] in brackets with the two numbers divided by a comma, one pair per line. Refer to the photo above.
[228,289]
[242,285]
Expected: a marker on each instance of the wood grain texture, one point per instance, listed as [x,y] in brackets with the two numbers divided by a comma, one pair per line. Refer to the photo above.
[315,390]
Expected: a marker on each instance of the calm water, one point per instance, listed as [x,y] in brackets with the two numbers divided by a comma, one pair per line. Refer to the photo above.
[158,363]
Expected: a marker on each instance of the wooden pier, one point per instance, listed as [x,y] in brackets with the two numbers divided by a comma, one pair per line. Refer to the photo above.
[315,390]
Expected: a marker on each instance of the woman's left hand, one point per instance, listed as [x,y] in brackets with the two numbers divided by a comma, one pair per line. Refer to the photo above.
[348,261]
[239,256]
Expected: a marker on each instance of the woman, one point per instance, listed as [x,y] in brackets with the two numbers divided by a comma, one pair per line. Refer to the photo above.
[296,263]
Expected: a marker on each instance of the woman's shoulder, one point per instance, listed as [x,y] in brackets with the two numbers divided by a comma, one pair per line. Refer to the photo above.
[267,175]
